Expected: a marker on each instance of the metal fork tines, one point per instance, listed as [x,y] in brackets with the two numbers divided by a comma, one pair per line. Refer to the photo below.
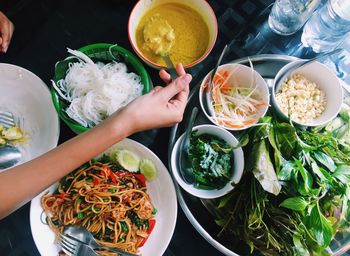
[74,248]
[6,119]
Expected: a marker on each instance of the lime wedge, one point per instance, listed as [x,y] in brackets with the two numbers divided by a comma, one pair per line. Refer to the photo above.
[148,169]
[128,160]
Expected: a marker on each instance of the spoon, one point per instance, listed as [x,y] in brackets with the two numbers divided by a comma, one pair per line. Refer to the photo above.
[9,156]
[285,72]
[212,75]
[170,66]
[184,159]
[82,235]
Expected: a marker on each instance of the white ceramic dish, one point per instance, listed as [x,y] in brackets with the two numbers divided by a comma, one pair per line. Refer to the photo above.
[242,75]
[201,6]
[161,191]
[28,98]
[238,163]
[329,84]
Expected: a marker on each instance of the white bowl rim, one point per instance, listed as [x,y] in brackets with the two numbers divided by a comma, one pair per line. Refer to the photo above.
[201,94]
[202,193]
[331,73]
[205,54]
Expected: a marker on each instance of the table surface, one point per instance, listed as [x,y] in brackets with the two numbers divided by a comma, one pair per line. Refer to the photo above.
[44,29]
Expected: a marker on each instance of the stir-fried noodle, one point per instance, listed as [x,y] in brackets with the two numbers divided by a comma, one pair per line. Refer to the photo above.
[111,203]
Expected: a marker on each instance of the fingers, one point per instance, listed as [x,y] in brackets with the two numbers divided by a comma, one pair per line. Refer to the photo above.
[180,70]
[6,31]
[176,87]
[165,76]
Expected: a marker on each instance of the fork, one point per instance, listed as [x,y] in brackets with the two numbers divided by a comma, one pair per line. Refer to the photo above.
[7,119]
[74,248]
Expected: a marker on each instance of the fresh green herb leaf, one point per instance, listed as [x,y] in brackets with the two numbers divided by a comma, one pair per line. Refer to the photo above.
[301,249]
[342,173]
[319,227]
[297,203]
[286,139]
[324,159]
[306,176]
[287,171]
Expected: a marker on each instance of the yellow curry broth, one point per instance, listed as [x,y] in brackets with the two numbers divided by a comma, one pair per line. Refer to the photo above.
[190,29]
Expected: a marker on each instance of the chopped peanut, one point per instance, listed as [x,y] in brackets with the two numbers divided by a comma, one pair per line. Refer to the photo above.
[301,99]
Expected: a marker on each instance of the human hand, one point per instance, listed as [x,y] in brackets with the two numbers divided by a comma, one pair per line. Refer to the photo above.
[6,31]
[161,107]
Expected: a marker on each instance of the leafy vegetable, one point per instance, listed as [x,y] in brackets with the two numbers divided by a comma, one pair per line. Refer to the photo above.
[211,159]
[263,168]
[294,194]
[297,203]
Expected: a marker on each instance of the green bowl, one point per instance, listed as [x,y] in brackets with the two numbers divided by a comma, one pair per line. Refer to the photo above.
[98,52]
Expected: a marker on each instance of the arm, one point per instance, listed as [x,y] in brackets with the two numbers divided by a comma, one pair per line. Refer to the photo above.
[6,31]
[20,184]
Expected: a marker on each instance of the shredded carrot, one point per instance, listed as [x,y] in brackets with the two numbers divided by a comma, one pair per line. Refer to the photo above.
[235,106]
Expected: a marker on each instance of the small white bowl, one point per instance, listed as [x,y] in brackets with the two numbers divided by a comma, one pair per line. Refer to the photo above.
[329,84]
[243,76]
[201,6]
[238,163]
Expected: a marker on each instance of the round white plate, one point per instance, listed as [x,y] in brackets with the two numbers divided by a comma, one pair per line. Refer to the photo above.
[28,98]
[161,191]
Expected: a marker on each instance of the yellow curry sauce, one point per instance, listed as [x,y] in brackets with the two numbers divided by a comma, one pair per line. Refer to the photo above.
[190,31]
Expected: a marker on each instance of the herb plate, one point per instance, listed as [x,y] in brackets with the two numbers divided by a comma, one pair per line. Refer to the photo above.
[197,209]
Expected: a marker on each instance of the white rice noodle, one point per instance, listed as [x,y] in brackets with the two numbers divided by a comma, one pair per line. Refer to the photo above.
[96,90]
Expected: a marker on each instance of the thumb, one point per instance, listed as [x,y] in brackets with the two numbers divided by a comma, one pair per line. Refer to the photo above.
[176,86]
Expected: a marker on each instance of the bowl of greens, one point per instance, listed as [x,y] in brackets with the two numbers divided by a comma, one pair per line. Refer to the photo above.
[216,158]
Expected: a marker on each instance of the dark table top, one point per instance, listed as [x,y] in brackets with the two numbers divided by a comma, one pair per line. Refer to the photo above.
[44,29]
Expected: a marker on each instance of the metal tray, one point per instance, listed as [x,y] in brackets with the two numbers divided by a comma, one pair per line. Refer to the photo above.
[194,208]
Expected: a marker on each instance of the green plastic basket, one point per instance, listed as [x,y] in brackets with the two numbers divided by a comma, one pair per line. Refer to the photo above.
[98,52]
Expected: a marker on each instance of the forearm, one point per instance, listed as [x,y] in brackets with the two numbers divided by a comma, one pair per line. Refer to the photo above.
[21,183]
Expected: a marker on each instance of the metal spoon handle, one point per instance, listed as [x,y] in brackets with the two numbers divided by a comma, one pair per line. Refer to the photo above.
[299,64]
[320,57]
[185,161]
[217,66]
[189,129]
[170,67]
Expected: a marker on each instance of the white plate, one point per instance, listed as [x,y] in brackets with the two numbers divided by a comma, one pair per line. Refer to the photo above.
[161,191]
[29,99]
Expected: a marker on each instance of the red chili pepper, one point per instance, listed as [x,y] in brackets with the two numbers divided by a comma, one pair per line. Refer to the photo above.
[141,178]
[96,181]
[59,201]
[111,175]
[121,174]
[151,224]
[64,195]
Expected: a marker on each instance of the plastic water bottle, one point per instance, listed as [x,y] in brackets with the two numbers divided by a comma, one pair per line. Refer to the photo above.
[340,62]
[328,27]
